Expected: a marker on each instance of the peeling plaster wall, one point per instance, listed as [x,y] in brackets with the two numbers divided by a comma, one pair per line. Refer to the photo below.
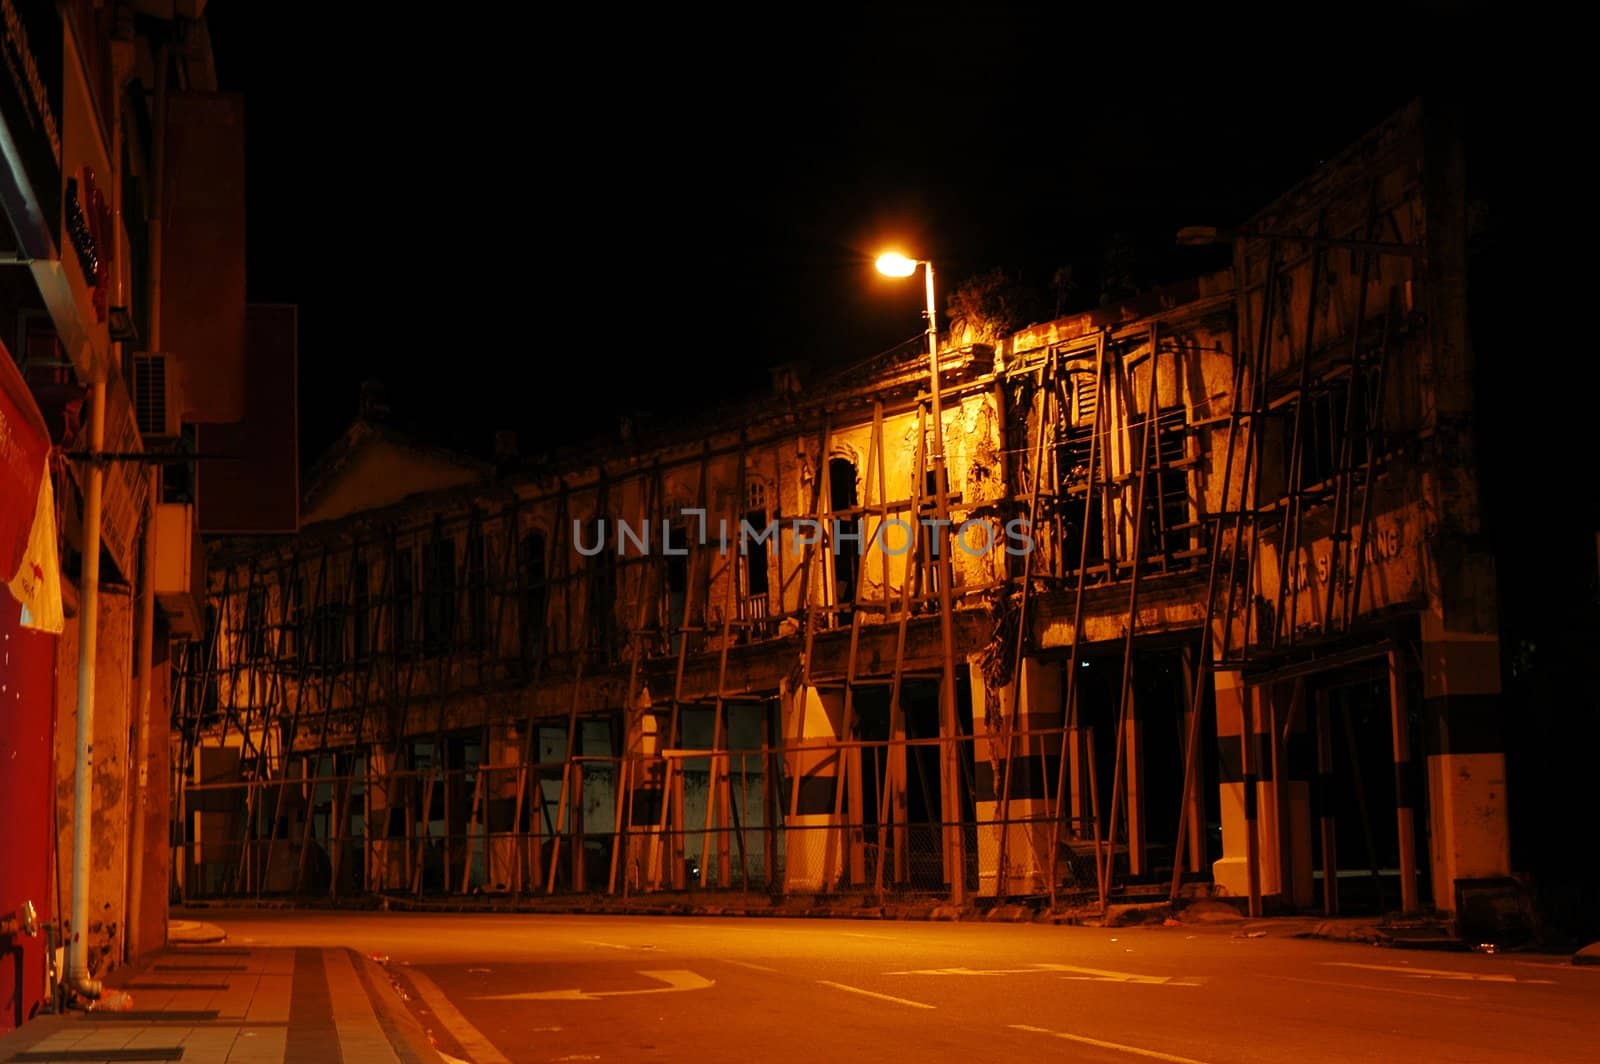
[109,815]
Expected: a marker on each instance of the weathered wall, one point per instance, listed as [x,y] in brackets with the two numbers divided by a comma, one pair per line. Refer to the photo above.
[109,816]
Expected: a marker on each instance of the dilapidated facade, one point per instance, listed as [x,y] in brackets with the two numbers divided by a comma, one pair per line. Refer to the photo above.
[1214,552]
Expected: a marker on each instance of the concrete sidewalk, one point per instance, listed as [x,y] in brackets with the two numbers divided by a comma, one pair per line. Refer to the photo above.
[215,1004]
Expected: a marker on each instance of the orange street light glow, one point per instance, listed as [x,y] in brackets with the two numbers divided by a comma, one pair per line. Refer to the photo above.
[894,264]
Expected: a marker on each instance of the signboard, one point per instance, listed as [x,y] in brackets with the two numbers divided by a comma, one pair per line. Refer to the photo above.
[30,122]
[124,486]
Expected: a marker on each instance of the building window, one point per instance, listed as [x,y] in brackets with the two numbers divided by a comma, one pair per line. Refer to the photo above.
[292,639]
[602,612]
[1072,484]
[846,552]
[535,596]
[1166,508]
[675,549]
[757,556]
[255,624]
[327,634]
[360,611]
[477,588]
[404,588]
[438,595]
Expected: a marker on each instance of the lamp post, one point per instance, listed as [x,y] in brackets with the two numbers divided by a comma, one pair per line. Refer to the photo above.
[896,265]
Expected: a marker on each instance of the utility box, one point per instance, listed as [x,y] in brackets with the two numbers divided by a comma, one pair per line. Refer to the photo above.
[178,584]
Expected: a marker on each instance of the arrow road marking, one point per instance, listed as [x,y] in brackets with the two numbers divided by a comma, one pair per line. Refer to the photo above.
[1428,973]
[675,978]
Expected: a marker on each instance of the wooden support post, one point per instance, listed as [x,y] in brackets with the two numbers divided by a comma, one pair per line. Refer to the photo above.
[1330,853]
[1404,787]
[1193,828]
[1251,755]
[573,748]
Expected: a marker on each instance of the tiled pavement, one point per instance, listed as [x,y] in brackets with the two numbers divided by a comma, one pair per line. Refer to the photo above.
[222,1005]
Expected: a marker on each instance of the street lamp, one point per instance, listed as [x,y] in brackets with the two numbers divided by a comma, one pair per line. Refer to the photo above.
[893,264]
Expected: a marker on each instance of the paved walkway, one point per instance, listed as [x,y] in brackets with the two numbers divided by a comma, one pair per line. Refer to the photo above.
[216,1004]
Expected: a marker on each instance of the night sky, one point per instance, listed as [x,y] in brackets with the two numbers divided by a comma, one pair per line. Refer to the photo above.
[542,223]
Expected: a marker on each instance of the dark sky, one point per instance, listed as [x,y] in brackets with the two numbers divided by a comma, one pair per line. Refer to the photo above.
[540,222]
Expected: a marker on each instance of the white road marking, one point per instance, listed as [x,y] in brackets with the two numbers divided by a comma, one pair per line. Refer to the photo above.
[1035,970]
[1565,967]
[1094,975]
[1428,973]
[1102,1044]
[676,979]
[1370,986]
[858,934]
[749,964]
[471,1039]
[611,945]
[875,994]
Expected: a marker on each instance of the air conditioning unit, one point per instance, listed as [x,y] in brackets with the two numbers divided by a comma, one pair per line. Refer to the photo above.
[155,395]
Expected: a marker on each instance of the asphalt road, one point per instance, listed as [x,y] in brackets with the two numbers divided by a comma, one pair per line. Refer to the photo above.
[569,988]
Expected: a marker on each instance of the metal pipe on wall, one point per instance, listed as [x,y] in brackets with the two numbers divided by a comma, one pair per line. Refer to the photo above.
[78,977]
[144,643]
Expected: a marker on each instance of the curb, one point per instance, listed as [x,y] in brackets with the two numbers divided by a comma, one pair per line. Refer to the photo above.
[406,1035]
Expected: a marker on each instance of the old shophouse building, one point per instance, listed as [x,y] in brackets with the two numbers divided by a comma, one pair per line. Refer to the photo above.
[1214,554]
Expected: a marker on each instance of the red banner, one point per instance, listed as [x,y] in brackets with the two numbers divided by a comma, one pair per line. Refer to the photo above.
[29,564]
[24,448]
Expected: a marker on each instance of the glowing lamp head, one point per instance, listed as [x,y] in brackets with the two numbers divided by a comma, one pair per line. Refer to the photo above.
[894,264]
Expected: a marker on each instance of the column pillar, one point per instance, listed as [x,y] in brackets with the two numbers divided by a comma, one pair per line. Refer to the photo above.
[1028,860]
[1469,837]
[1250,851]
[812,835]
[646,786]
[1290,788]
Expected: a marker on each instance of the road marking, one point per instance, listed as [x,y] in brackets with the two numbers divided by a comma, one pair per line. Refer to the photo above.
[360,1036]
[1427,973]
[1092,975]
[748,964]
[611,945]
[875,994]
[1102,1044]
[1371,986]
[676,979]
[858,934]
[470,1038]
[1565,967]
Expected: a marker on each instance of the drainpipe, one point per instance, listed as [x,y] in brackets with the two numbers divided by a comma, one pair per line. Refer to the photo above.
[144,638]
[78,977]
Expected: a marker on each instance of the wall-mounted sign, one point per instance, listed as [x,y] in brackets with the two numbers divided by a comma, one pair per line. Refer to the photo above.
[89,231]
[30,122]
